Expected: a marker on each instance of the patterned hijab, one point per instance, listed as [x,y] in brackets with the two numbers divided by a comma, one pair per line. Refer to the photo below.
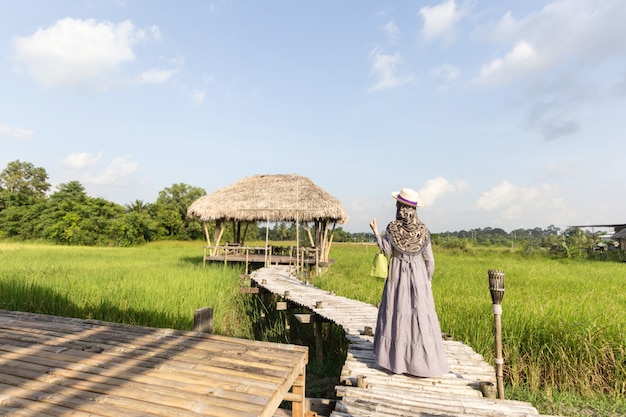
[408,234]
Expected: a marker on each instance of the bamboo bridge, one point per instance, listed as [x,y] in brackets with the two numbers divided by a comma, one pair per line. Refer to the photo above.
[368,390]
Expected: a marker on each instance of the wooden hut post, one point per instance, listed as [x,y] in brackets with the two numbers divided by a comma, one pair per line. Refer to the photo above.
[318,238]
[308,232]
[217,236]
[267,237]
[330,241]
[319,341]
[245,233]
[206,234]
[324,239]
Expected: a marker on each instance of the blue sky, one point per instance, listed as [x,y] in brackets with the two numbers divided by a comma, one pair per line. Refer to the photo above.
[500,113]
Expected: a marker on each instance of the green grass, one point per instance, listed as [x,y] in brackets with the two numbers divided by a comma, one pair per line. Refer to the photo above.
[158,285]
[564,326]
[563,320]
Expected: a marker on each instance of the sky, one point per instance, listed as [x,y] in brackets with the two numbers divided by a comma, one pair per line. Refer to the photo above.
[504,114]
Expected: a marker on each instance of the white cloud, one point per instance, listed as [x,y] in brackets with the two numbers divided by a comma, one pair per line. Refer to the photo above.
[156,32]
[563,169]
[115,172]
[392,30]
[521,60]
[81,160]
[385,69]
[15,132]
[75,52]
[575,33]
[439,21]
[437,188]
[197,97]
[499,196]
[156,76]
[88,169]
[446,71]
[508,203]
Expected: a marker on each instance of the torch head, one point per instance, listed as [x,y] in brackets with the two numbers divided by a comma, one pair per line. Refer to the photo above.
[496,285]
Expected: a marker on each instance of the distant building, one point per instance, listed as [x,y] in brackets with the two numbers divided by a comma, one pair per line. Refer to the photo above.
[619,234]
[621,238]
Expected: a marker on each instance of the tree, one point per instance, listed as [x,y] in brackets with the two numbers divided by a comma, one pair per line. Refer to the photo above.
[341,235]
[134,228]
[552,230]
[72,191]
[170,211]
[21,183]
[72,217]
[21,222]
[137,206]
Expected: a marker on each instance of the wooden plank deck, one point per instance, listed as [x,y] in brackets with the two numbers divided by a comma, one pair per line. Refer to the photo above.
[270,255]
[380,393]
[55,366]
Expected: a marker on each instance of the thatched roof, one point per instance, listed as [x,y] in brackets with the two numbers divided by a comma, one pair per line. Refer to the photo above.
[269,198]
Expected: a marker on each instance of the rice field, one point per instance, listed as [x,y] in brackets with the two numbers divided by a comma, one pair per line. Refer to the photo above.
[158,285]
[564,325]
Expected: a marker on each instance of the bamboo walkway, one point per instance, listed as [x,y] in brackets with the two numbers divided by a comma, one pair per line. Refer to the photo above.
[57,366]
[368,390]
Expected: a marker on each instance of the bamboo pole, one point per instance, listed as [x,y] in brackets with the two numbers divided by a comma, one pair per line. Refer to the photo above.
[298,224]
[267,236]
[245,233]
[206,234]
[308,232]
[330,240]
[217,235]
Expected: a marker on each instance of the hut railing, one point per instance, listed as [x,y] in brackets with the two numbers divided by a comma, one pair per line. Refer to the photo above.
[270,254]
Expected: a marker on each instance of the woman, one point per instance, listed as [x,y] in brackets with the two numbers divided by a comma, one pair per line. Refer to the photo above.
[408,337]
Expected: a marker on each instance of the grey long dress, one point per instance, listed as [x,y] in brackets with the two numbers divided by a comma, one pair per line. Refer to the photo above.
[408,336]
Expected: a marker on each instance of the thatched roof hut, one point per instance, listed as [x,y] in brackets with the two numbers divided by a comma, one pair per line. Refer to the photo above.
[621,238]
[272,198]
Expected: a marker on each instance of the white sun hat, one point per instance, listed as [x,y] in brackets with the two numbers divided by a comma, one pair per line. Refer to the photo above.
[408,197]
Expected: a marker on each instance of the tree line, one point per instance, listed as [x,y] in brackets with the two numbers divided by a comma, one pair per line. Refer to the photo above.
[30,210]
[573,242]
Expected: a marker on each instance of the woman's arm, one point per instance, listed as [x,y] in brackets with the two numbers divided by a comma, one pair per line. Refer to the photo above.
[383,243]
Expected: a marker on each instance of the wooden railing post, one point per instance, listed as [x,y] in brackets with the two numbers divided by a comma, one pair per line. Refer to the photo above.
[203,320]
[297,406]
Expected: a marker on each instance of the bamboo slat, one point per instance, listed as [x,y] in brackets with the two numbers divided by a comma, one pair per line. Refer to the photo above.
[53,366]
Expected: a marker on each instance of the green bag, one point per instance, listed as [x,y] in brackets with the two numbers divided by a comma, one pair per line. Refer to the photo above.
[380,267]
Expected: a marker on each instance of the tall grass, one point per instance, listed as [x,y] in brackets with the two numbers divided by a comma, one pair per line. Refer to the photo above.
[158,285]
[564,326]
[563,320]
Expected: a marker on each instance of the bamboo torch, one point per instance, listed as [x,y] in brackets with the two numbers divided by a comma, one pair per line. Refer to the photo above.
[496,287]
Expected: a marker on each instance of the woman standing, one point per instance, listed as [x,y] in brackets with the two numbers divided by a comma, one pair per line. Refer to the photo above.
[408,337]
